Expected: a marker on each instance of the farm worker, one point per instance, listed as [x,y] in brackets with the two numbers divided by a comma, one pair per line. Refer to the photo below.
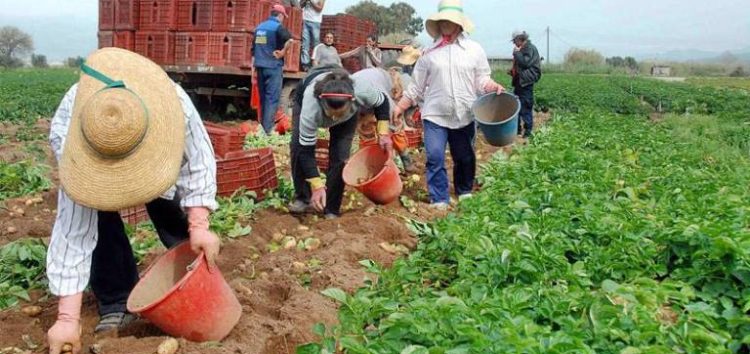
[271,43]
[386,81]
[330,98]
[369,55]
[325,53]
[448,77]
[312,16]
[124,135]
[526,71]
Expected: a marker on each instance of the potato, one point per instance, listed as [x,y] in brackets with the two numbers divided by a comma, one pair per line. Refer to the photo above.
[415,178]
[312,244]
[289,243]
[32,310]
[67,348]
[11,230]
[278,236]
[168,346]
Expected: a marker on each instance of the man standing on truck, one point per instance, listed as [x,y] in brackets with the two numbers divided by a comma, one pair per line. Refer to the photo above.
[271,43]
[369,55]
[312,14]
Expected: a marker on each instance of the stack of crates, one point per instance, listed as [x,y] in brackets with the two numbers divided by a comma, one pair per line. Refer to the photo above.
[350,31]
[192,32]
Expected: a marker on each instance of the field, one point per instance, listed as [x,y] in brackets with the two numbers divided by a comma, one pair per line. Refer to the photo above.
[622,227]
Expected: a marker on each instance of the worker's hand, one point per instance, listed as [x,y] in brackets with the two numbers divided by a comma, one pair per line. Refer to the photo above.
[201,239]
[516,48]
[318,199]
[66,332]
[396,113]
[278,54]
[492,86]
[385,142]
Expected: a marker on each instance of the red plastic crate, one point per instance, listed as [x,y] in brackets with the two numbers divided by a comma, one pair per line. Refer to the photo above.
[263,11]
[230,49]
[134,215]
[120,39]
[191,48]
[158,15]
[321,154]
[106,15]
[224,139]
[293,23]
[254,170]
[156,45]
[414,138]
[235,15]
[194,15]
[292,58]
[127,14]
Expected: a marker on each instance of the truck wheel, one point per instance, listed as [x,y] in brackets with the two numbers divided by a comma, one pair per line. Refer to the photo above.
[286,100]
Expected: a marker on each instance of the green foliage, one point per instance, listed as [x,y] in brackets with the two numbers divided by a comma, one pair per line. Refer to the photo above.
[27,95]
[22,178]
[398,17]
[578,56]
[607,234]
[22,266]
[39,61]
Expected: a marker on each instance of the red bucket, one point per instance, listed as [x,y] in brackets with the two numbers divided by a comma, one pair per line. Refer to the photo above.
[181,297]
[373,172]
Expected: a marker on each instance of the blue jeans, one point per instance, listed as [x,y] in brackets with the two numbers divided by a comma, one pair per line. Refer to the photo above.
[310,33]
[461,143]
[526,96]
[269,88]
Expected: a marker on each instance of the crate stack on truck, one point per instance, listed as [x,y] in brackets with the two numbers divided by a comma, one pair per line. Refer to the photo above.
[192,32]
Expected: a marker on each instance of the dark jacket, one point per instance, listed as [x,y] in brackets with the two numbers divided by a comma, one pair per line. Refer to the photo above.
[526,66]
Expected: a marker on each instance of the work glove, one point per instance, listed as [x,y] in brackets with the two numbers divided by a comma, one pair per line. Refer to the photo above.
[201,239]
[67,328]
[492,86]
[318,198]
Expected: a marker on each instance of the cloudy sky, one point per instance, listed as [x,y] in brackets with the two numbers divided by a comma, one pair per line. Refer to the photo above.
[641,28]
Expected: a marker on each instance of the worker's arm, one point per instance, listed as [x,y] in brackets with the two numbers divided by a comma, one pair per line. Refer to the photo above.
[376,56]
[351,53]
[308,137]
[283,36]
[318,6]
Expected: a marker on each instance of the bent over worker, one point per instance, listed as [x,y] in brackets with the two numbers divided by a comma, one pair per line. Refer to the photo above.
[124,135]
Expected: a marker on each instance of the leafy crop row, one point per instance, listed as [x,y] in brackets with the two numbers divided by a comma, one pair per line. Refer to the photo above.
[27,95]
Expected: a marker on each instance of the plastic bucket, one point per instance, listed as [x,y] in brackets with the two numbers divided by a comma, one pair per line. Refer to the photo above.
[497,117]
[373,173]
[181,297]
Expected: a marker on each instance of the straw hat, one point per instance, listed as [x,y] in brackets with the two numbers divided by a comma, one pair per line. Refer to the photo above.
[409,55]
[126,138]
[449,10]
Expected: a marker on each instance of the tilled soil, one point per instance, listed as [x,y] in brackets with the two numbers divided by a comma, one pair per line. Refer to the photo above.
[279,289]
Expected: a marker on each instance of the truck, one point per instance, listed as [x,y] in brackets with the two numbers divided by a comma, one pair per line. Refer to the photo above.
[205,46]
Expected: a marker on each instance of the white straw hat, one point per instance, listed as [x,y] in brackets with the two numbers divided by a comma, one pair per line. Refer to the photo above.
[127,133]
[449,10]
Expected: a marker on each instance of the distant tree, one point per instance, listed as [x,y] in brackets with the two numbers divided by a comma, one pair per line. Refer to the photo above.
[398,17]
[631,63]
[74,62]
[14,46]
[615,61]
[39,61]
[577,56]
[738,72]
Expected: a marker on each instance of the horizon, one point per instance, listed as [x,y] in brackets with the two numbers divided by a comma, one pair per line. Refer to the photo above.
[63,29]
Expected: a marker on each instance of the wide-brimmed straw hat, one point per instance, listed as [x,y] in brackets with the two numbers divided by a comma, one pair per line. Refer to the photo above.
[409,55]
[127,133]
[448,10]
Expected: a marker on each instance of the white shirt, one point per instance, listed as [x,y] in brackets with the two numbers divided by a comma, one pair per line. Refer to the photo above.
[74,235]
[448,80]
[310,14]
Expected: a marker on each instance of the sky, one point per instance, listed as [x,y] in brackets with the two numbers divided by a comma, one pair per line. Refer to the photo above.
[639,28]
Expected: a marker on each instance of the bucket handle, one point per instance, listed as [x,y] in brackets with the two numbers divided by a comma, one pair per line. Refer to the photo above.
[191,267]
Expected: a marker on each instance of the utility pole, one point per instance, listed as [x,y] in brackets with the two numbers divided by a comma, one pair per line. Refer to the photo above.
[547,44]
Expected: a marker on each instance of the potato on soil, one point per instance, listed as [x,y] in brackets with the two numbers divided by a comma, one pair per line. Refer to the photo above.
[168,346]
[32,310]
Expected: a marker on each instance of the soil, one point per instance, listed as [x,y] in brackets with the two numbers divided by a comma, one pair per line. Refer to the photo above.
[279,289]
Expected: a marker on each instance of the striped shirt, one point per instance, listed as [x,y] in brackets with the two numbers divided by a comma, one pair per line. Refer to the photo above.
[75,234]
[448,80]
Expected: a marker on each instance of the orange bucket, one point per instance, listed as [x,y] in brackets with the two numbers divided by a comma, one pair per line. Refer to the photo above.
[373,172]
[181,297]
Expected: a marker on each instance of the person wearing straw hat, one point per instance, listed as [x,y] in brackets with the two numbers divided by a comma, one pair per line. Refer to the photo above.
[526,71]
[408,57]
[270,44]
[124,135]
[448,78]
[330,98]
[386,81]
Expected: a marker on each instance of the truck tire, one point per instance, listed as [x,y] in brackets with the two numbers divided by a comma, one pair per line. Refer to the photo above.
[286,100]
